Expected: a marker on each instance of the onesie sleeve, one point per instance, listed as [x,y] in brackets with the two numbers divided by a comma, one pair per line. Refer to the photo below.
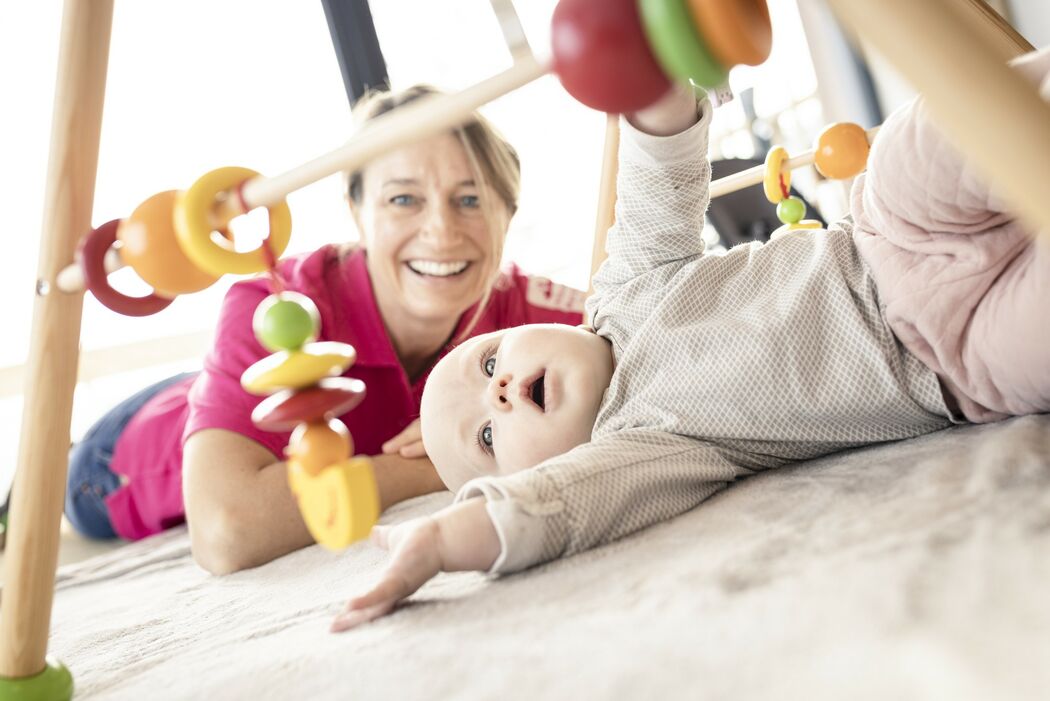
[597,493]
[661,196]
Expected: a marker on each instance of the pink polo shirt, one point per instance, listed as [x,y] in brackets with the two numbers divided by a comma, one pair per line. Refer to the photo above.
[149,451]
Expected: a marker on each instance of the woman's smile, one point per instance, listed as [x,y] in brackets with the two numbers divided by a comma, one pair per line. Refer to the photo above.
[435,268]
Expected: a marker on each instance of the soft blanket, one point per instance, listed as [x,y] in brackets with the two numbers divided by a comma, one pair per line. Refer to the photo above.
[916,570]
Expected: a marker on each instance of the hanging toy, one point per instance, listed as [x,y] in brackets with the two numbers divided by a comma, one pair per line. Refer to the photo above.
[777,186]
[841,152]
[337,493]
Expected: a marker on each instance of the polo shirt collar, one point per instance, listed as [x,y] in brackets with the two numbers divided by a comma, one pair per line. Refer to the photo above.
[370,336]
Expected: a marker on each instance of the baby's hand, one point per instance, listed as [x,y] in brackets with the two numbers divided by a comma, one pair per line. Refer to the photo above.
[416,559]
[671,114]
[460,537]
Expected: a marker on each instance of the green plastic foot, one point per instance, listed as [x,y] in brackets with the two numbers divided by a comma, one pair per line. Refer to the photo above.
[55,683]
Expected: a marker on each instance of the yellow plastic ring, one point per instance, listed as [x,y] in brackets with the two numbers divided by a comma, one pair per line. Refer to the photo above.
[805,224]
[774,169]
[194,224]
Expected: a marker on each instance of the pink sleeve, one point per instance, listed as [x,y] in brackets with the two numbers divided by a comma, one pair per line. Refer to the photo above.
[217,399]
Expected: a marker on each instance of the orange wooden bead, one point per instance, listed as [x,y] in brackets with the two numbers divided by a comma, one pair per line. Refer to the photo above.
[841,151]
[150,247]
[315,446]
[735,31]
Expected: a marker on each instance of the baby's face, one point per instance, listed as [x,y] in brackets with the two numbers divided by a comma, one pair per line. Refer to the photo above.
[508,400]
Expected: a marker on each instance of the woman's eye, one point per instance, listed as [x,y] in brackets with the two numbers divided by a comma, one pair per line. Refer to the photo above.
[402,200]
[486,435]
[490,365]
[469,201]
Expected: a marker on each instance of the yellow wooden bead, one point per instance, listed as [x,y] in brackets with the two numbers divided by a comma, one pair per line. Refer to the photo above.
[340,504]
[774,170]
[298,369]
[788,228]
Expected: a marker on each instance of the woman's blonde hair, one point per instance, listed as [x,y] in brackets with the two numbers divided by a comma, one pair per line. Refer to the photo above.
[494,163]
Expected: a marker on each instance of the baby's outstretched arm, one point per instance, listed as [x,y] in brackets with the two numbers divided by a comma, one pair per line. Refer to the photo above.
[460,537]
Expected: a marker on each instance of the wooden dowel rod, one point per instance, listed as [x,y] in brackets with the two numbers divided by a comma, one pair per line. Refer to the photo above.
[510,26]
[606,191]
[999,34]
[753,176]
[412,122]
[40,480]
[71,278]
[987,110]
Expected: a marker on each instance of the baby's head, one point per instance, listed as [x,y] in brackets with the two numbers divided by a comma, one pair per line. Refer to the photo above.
[506,401]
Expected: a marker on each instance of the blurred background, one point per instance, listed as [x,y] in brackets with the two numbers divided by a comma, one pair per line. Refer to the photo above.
[196,84]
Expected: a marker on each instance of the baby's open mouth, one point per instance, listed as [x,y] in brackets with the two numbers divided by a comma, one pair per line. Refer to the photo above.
[536,391]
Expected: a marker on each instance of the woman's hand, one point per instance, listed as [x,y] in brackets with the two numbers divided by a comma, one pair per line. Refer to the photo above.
[671,114]
[408,443]
[460,537]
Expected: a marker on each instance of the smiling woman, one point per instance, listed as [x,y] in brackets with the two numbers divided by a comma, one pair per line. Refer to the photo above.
[432,217]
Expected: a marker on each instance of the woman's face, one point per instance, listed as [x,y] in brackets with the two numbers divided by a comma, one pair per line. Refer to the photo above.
[430,252]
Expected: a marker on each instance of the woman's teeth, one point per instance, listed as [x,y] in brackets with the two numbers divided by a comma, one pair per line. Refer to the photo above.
[437,269]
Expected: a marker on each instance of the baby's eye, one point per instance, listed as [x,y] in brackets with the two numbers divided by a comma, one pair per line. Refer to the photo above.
[486,436]
[470,201]
[490,365]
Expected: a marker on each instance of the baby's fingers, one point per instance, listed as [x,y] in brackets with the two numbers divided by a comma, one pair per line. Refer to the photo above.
[378,602]
[352,619]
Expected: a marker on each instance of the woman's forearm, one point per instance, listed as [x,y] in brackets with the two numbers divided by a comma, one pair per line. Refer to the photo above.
[241,512]
[401,478]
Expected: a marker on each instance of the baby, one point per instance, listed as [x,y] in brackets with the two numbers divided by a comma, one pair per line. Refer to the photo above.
[920,310]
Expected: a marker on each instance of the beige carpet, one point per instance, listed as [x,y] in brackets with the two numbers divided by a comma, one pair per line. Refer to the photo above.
[917,570]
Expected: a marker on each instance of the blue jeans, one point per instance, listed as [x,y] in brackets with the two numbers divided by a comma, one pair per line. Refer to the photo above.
[90,479]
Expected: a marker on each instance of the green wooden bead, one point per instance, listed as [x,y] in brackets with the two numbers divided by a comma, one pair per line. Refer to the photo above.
[285,321]
[791,210]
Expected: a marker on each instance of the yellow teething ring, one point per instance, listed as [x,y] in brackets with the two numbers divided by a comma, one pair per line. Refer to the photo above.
[774,170]
[194,225]
[805,224]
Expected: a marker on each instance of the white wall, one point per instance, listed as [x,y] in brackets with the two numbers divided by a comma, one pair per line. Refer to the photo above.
[1032,19]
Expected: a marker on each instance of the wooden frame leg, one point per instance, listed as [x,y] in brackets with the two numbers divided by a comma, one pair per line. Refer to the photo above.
[40,482]
[990,112]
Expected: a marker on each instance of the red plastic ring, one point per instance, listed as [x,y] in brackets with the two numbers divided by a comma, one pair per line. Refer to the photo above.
[91,255]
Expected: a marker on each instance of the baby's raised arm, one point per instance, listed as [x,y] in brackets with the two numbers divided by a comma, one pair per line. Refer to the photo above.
[661,190]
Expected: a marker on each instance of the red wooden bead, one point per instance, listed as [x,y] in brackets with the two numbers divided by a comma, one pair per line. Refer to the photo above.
[329,398]
[91,254]
[602,57]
